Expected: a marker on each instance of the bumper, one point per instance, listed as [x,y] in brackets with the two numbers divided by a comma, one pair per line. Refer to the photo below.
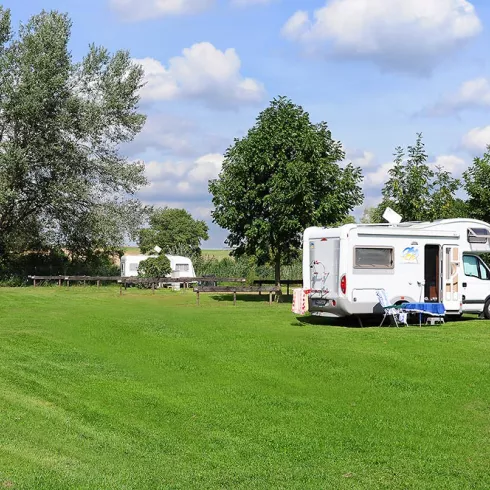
[340,307]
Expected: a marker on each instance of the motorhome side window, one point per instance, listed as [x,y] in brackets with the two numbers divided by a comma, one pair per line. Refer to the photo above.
[373,258]
[182,267]
[474,267]
[133,267]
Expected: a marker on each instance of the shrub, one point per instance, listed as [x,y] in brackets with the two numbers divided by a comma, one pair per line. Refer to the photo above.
[155,267]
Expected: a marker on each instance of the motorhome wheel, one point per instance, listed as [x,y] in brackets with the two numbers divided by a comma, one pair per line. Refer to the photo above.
[486,310]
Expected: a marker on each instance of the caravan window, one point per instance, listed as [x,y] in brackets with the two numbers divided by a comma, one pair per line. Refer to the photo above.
[373,258]
[133,267]
[182,267]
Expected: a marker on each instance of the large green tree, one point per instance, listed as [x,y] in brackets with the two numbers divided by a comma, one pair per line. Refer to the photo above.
[416,190]
[63,181]
[282,177]
[175,231]
[477,186]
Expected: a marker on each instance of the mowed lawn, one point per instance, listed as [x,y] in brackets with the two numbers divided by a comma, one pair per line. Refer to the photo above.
[147,391]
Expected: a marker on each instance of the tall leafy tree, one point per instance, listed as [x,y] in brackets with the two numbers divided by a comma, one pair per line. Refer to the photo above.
[63,181]
[477,186]
[175,231]
[369,215]
[282,177]
[417,191]
[443,201]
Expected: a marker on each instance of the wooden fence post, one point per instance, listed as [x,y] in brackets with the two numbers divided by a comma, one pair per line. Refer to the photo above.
[270,298]
[59,282]
[35,283]
[153,287]
[197,292]
[234,298]
[98,283]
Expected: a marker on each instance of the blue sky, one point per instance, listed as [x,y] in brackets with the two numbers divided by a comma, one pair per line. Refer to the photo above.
[377,71]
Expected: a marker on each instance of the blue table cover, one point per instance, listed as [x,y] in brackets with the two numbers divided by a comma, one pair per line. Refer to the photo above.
[435,309]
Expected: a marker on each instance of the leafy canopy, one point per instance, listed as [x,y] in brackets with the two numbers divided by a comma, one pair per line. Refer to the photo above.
[155,267]
[477,186]
[63,181]
[175,231]
[282,177]
[417,191]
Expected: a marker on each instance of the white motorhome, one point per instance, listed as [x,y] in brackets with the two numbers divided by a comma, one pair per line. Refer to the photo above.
[413,262]
[181,266]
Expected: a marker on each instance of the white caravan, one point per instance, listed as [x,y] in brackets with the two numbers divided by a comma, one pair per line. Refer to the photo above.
[181,266]
[413,262]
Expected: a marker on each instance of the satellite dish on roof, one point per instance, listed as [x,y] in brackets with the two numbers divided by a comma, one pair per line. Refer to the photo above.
[391,216]
[157,249]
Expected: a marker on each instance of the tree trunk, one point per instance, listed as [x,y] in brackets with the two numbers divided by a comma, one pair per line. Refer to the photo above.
[277,272]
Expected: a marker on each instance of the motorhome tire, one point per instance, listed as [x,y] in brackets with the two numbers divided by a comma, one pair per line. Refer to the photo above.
[486,310]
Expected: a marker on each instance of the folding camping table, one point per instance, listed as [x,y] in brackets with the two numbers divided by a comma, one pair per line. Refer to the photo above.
[431,309]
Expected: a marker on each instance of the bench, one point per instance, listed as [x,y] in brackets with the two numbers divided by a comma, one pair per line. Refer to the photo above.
[237,289]
[285,282]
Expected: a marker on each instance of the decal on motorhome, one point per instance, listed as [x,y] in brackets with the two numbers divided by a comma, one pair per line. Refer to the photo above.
[410,255]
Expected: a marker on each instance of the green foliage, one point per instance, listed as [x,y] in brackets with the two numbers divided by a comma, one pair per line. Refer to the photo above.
[416,191]
[477,186]
[15,268]
[247,267]
[148,391]
[63,182]
[158,266]
[370,215]
[279,179]
[175,231]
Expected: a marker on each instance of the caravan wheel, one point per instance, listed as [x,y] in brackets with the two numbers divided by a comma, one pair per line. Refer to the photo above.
[486,310]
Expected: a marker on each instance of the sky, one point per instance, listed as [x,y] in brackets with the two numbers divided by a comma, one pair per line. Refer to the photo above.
[377,71]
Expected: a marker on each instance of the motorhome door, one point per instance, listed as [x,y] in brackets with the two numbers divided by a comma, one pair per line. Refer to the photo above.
[324,265]
[451,291]
[476,283]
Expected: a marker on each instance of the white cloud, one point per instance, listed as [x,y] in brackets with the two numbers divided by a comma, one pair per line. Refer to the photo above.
[398,35]
[158,171]
[472,94]
[207,167]
[173,180]
[202,72]
[451,163]
[134,10]
[477,139]
[246,3]
[360,158]
[377,177]
[169,134]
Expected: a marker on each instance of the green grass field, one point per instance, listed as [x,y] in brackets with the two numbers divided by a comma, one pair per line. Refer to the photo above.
[146,391]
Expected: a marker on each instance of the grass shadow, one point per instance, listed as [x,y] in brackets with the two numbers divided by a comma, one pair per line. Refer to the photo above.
[244,298]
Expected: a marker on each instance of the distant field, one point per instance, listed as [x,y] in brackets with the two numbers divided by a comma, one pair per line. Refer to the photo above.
[146,391]
[218,254]
[132,251]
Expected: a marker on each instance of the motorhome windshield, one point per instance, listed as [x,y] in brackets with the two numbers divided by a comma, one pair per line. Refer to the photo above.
[475,267]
